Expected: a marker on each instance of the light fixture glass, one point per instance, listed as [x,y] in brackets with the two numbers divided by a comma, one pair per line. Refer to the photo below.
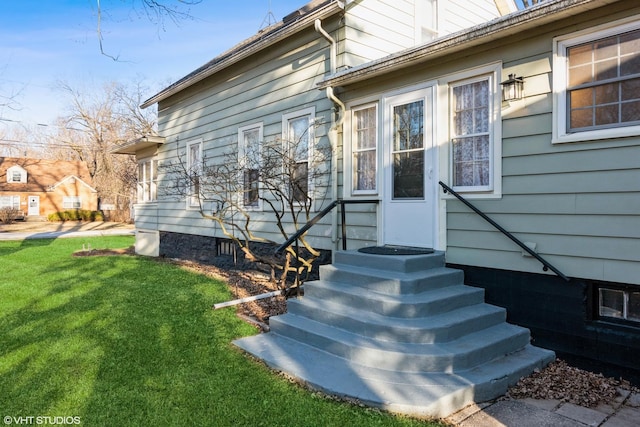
[512,88]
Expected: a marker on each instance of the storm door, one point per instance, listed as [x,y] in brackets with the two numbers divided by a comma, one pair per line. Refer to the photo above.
[409,197]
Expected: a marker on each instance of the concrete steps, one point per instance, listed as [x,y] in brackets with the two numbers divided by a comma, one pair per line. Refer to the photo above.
[400,332]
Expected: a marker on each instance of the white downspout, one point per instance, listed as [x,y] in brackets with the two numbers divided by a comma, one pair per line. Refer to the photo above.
[333,131]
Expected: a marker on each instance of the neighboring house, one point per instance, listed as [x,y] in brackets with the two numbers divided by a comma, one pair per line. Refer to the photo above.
[38,188]
[405,108]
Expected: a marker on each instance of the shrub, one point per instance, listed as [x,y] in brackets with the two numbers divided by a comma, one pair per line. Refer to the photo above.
[8,215]
[76,215]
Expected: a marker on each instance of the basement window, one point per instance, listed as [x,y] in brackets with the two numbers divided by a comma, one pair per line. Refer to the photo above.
[618,304]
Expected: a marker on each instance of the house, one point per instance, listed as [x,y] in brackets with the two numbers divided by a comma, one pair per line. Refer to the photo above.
[38,188]
[530,116]
[557,167]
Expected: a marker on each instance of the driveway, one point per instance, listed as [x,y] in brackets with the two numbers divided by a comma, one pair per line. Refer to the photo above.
[21,230]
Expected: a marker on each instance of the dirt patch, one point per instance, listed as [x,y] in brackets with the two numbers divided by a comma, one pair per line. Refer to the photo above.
[244,284]
[105,252]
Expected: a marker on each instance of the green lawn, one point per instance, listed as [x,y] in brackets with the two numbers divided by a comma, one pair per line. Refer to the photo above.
[129,341]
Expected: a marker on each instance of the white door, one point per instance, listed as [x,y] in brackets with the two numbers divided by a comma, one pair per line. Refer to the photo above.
[409,208]
[34,206]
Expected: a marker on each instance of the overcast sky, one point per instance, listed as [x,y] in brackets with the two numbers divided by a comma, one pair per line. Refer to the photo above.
[45,41]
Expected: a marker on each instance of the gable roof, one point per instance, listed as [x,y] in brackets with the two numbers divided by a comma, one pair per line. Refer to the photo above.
[517,23]
[42,175]
[290,24]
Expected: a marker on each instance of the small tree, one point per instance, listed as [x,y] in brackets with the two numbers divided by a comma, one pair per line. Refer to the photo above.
[229,188]
[8,215]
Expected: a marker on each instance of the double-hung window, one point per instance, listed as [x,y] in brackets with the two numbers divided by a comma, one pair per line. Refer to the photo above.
[249,157]
[597,81]
[364,142]
[194,172]
[298,134]
[10,202]
[72,202]
[16,174]
[471,136]
[147,180]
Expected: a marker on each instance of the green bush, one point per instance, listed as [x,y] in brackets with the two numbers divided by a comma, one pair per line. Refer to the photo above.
[76,215]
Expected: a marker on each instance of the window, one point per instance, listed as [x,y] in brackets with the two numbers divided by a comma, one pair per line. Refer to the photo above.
[364,149]
[426,16]
[16,174]
[408,150]
[619,304]
[147,180]
[10,202]
[72,202]
[194,171]
[598,73]
[471,136]
[298,134]
[249,156]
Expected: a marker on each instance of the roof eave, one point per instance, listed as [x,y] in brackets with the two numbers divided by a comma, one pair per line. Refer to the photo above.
[543,13]
[278,35]
[132,147]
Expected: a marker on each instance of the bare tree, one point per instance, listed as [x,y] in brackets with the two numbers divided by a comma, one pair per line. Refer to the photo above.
[235,188]
[156,11]
[96,123]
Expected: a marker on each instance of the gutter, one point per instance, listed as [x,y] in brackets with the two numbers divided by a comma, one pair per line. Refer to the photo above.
[335,125]
[512,24]
[254,45]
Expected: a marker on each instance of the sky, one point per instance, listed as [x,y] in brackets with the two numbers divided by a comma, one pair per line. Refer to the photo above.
[44,42]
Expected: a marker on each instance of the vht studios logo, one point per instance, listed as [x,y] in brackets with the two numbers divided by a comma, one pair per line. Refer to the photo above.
[41,420]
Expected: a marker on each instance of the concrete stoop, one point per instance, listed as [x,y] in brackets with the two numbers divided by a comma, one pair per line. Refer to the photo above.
[399,332]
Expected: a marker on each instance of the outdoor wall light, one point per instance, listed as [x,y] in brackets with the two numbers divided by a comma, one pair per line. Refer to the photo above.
[512,88]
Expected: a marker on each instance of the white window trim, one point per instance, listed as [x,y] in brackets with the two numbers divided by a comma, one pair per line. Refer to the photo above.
[559,116]
[13,200]
[72,201]
[242,150]
[12,170]
[153,185]
[419,8]
[310,112]
[191,197]
[349,149]
[492,72]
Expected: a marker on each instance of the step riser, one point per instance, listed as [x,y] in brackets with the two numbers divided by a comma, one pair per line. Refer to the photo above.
[398,263]
[367,279]
[366,300]
[403,362]
[399,333]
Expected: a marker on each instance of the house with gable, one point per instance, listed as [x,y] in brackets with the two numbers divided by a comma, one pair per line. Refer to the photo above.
[507,144]
[534,120]
[38,188]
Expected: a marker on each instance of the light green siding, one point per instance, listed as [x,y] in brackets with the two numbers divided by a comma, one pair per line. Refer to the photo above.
[578,202]
[258,90]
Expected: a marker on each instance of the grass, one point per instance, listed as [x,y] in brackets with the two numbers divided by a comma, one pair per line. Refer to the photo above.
[130,341]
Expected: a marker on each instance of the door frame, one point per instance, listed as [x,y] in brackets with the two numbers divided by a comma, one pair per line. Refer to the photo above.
[29,209]
[427,91]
